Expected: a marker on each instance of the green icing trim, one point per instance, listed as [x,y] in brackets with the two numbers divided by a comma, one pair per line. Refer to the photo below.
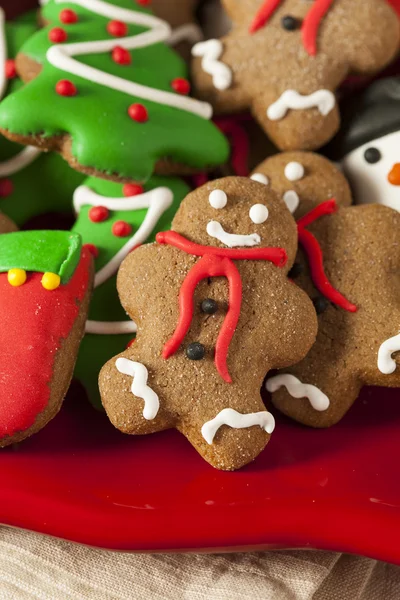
[103,136]
[41,251]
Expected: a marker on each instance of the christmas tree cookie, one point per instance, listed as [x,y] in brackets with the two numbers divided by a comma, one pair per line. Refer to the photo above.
[113,96]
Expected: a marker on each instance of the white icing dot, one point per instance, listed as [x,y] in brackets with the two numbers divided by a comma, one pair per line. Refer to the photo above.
[258,213]
[294,171]
[291,200]
[218,199]
[260,178]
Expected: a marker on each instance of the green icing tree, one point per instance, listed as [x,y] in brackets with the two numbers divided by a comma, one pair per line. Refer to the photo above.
[121,109]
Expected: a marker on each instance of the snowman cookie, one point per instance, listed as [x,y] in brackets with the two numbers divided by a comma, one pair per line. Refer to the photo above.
[284,60]
[215,311]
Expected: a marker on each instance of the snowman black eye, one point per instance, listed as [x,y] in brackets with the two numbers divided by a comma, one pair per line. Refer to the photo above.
[290,23]
[372,155]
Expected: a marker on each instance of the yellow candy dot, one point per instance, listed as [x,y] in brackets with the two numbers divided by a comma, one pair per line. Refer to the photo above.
[50,281]
[16,277]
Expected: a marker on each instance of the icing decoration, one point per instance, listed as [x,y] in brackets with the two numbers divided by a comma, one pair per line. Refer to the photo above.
[236,420]
[314,254]
[260,177]
[121,229]
[292,200]
[16,277]
[50,281]
[258,213]
[138,113]
[110,327]
[56,252]
[139,386]
[318,400]
[121,56]
[68,16]
[181,86]
[210,51]
[386,364]
[10,69]
[215,230]
[324,100]
[190,32]
[310,25]
[57,35]
[117,28]
[98,214]
[294,171]
[218,199]
[66,88]
[394,174]
[34,325]
[18,162]
[214,262]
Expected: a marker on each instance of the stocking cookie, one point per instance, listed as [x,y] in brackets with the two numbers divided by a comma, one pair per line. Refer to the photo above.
[284,60]
[45,286]
[215,311]
[114,97]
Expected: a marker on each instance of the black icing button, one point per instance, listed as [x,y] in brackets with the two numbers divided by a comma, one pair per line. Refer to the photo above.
[320,304]
[195,351]
[290,23]
[209,306]
[295,271]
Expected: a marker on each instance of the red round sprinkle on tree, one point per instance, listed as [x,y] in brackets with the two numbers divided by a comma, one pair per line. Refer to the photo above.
[138,112]
[181,86]
[132,189]
[98,214]
[6,188]
[66,88]
[10,70]
[121,56]
[68,16]
[144,2]
[117,28]
[58,35]
[121,229]
[94,251]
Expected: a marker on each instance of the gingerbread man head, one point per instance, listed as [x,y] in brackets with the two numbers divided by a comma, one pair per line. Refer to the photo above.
[215,311]
[284,60]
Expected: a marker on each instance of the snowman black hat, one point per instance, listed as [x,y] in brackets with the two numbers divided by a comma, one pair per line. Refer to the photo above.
[367,116]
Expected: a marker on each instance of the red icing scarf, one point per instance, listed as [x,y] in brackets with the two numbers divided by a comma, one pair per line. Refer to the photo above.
[214,262]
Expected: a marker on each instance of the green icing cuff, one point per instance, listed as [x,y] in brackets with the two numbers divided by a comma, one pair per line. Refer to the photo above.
[41,251]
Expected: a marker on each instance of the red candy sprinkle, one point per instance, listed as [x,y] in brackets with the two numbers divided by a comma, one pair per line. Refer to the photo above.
[138,112]
[121,56]
[131,342]
[132,189]
[181,86]
[117,28]
[94,251]
[68,16]
[10,70]
[57,35]
[98,214]
[144,2]
[66,88]
[121,229]
[6,188]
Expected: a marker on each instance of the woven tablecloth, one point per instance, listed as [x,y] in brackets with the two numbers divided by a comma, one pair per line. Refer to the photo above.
[33,566]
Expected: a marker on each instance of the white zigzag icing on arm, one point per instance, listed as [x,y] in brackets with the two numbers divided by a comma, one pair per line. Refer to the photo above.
[386,364]
[210,51]
[318,400]
[324,100]
[139,386]
[61,56]
[236,420]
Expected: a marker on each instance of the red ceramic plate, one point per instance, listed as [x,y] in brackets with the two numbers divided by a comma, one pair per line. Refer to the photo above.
[338,489]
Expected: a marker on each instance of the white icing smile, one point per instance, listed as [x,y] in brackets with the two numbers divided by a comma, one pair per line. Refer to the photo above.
[215,230]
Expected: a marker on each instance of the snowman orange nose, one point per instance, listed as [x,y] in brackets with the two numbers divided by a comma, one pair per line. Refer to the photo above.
[394,175]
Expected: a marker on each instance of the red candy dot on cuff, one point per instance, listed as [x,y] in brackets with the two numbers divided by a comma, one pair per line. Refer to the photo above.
[10,69]
[6,188]
[138,112]
[66,88]
[94,251]
[57,35]
[98,214]
[121,229]
[131,342]
[121,56]
[117,28]
[132,189]
[68,16]
[181,86]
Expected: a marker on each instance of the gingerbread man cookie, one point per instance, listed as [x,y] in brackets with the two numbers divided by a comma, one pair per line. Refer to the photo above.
[215,311]
[284,60]
[350,271]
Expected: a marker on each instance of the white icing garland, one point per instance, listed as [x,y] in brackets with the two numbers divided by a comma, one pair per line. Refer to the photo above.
[324,100]
[20,161]
[236,420]
[110,327]
[318,400]
[215,230]
[210,51]
[386,364]
[61,56]
[190,32]
[139,386]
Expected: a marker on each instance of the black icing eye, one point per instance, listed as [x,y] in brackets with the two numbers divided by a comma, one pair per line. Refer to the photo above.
[295,271]
[290,23]
[372,155]
[195,351]
[320,304]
